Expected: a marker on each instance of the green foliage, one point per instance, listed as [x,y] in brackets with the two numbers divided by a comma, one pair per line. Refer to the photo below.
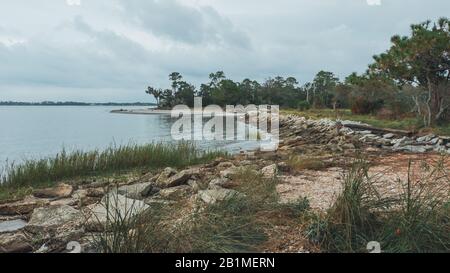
[416,220]
[422,59]
[303,105]
[45,172]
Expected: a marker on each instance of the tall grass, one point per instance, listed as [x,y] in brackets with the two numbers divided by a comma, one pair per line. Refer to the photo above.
[35,173]
[416,220]
[224,227]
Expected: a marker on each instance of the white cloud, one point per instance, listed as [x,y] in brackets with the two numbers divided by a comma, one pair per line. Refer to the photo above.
[73,2]
[374,2]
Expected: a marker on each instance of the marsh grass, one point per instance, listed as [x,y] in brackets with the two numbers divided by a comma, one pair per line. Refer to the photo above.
[234,225]
[417,220]
[65,165]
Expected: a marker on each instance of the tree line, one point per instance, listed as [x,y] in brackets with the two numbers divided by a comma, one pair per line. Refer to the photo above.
[410,78]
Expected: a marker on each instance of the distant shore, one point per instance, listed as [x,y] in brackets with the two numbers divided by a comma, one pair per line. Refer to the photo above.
[159,112]
[72,103]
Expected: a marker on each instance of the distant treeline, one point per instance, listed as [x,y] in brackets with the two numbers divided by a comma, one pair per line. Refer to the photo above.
[71,103]
[410,78]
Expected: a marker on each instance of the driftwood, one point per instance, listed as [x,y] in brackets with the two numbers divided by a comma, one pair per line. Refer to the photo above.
[360,127]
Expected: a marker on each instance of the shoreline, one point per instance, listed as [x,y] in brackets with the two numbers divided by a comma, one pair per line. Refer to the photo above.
[303,175]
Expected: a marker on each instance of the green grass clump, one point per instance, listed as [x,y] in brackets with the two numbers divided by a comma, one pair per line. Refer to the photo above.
[231,226]
[46,172]
[417,220]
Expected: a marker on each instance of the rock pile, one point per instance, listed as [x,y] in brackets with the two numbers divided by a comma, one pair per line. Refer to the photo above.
[50,218]
[299,130]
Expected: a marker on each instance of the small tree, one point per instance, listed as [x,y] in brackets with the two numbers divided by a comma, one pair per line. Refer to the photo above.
[421,60]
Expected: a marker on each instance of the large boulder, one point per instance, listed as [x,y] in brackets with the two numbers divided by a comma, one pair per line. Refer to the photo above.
[60,191]
[53,217]
[112,208]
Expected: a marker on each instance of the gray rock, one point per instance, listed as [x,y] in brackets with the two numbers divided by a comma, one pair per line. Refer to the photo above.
[14,243]
[440,149]
[270,171]
[411,148]
[434,141]
[218,195]
[13,225]
[176,193]
[401,142]
[218,183]
[135,191]
[165,174]
[364,132]
[228,173]
[425,138]
[53,217]
[388,136]
[177,179]
[112,207]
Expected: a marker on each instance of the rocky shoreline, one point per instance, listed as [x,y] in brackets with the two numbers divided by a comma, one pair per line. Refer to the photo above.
[75,211]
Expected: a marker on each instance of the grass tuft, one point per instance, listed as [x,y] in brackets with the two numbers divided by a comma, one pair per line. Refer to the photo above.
[47,172]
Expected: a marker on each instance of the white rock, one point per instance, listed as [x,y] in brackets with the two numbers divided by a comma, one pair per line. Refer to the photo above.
[426,138]
[388,136]
[53,217]
[112,207]
[218,195]
[270,171]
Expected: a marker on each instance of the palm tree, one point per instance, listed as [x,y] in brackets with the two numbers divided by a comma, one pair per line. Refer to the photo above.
[157,93]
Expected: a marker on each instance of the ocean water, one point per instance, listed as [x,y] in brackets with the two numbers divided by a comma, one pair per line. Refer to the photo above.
[34,132]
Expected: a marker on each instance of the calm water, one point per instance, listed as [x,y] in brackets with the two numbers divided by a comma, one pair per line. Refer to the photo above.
[33,132]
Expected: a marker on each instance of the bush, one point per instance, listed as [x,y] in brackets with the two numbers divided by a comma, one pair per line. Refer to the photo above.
[303,105]
[385,113]
[363,106]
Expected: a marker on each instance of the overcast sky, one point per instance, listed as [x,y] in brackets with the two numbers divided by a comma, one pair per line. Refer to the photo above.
[110,50]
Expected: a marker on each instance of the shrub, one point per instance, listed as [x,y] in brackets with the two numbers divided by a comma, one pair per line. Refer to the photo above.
[417,220]
[303,105]
[363,106]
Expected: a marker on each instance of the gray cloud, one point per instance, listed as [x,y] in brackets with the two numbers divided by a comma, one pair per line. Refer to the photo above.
[192,25]
[112,49]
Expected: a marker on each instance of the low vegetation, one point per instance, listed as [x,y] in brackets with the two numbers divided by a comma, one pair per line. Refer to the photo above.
[417,220]
[65,165]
